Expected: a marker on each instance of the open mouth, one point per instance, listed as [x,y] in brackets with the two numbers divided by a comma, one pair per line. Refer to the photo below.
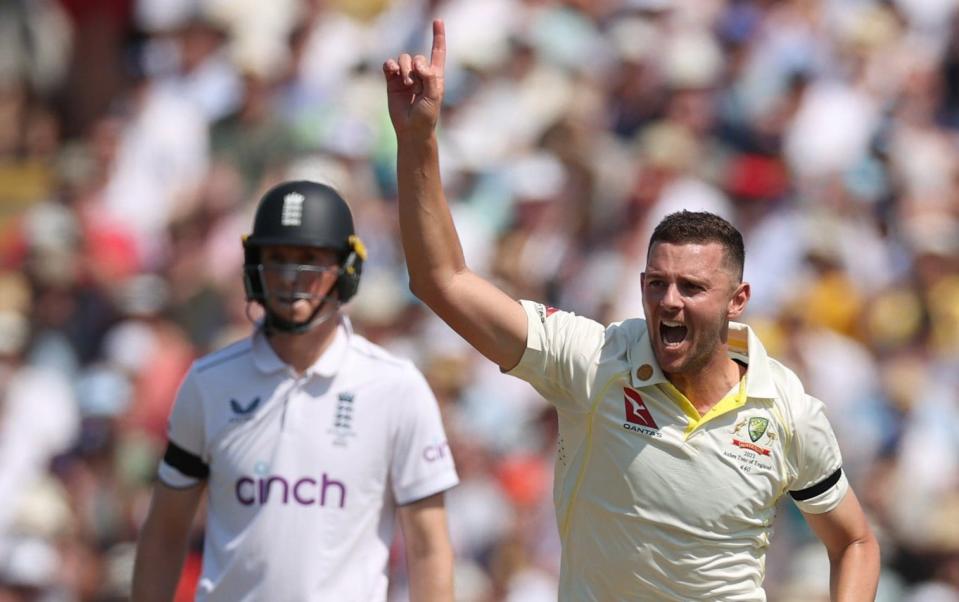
[672,333]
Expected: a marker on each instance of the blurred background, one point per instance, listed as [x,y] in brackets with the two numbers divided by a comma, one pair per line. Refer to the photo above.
[137,135]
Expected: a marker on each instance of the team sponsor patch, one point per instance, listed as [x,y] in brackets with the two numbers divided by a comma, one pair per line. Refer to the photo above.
[435,452]
[276,489]
[638,417]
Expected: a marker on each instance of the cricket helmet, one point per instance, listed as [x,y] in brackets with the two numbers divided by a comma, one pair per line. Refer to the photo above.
[303,214]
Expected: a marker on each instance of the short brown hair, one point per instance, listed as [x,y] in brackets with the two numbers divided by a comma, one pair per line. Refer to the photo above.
[700,227]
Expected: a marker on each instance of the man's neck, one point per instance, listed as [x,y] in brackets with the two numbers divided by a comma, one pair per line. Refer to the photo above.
[705,388]
[300,351]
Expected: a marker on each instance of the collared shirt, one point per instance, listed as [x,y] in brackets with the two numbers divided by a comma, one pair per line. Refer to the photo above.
[305,471]
[653,500]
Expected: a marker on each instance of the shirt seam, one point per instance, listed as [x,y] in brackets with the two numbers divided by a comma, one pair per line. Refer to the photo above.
[567,517]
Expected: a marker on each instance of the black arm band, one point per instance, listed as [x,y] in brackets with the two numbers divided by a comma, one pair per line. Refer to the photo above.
[817,489]
[189,464]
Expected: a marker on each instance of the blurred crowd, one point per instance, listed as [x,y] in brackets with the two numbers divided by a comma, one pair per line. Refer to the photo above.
[137,135]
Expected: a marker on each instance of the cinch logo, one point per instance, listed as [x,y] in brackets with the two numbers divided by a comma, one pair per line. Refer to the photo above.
[432,453]
[305,491]
[636,410]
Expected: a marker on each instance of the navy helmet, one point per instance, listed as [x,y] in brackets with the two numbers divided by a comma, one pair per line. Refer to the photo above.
[305,214]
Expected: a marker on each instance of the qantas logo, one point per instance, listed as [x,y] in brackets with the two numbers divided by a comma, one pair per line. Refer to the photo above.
[636,410]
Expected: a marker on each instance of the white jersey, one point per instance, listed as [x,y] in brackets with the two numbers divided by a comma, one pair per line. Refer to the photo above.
[304,473]
[654,501]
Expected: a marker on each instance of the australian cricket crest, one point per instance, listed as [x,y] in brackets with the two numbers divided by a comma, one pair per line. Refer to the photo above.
[756,428]
[760,436]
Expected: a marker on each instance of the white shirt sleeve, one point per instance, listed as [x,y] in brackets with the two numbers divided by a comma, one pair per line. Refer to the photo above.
[422,463]
[185,457]
[562,352]
[820,483]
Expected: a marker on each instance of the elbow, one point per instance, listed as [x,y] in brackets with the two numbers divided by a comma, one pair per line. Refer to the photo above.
[868,542]
[419,288]
[873,549]
[865,546]
[430,289]
[423,290]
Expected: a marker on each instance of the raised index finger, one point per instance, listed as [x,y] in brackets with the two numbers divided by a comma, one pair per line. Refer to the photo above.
[438,53]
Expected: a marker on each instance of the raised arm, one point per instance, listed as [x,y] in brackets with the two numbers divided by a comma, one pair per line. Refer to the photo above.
[852,548]
[488,318]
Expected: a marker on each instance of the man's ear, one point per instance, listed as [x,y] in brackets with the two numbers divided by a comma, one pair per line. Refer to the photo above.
[737,303]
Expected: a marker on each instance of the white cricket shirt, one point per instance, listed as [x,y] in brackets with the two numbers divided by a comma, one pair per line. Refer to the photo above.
[304,473]
[654,501]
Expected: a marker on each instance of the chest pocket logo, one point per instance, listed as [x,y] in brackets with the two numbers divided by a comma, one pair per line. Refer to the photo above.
[756,428]
[761,437]
[240,410]
[343,421]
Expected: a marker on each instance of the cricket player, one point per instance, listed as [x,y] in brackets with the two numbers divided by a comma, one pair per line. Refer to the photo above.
[678,434]
[305,438]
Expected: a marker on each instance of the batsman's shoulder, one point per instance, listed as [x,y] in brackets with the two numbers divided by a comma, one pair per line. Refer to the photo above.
[378,358]
[223,357]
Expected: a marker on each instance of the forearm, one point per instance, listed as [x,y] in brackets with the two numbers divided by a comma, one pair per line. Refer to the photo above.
[431,575]
[159,561]
[433,251]
[162,544]
[854,573]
